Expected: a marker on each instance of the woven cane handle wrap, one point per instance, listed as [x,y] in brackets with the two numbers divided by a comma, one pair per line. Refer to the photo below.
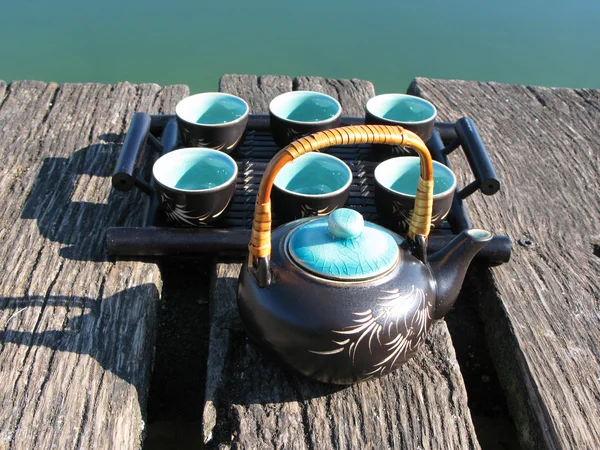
[260,241]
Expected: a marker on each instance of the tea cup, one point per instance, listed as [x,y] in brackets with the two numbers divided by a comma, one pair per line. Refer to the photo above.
[299,113]
[195,185]
[396,181]
[314,184]
[408,111]
[212,119]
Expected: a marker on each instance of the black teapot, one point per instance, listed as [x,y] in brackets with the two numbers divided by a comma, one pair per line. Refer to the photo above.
[339,299]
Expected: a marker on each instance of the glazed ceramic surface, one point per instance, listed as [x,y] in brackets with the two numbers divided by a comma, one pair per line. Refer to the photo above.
[396,186]
[340,299]
[195,185]
[212,119]
[336,322]
[408,111]
[330,325]
[343,247]
[300,113]
[315,184]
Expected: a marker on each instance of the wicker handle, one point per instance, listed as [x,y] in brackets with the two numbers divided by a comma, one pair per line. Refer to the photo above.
[260,241]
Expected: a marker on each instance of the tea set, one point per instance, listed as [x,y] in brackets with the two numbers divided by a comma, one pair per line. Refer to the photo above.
[335,297]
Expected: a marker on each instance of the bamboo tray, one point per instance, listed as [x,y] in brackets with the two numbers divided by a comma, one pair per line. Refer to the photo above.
[150,136]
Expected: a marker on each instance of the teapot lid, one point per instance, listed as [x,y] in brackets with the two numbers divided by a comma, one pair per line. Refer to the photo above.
[343,247]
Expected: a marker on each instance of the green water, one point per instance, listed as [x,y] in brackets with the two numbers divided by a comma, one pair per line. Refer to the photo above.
[407,183]
[534,42]
[204,175]
[317,177]
[312,110]
[314,189]
[408,112]
[223,112]
[314,183]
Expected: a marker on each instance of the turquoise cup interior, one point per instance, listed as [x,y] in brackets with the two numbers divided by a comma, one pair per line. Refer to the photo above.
[401,175]
[401,108]
[314,174]
[212,108]
[305,107]
[195,170]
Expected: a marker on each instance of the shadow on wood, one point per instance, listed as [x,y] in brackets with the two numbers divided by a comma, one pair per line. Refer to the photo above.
[87,331]
[63,208]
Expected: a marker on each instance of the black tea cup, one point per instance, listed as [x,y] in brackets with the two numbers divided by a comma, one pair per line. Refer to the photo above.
[212,119]
[408,111]
[314,184]
[396,181]
[195,185]
[297,114]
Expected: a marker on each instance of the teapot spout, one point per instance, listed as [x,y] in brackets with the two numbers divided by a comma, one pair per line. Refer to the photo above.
[450,264]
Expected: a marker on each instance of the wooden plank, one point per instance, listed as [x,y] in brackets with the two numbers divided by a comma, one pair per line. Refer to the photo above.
[352,94]
[257,91]
[541,313]
[251,402]
[77,329]
[2,91]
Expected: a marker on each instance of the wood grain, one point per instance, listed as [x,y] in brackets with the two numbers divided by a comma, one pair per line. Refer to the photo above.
[352,94]
[257,91]
[77,330]
[540,310]
[2,91]
[252,403]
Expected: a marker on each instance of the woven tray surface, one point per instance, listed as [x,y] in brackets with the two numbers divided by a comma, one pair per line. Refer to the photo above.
[257,149]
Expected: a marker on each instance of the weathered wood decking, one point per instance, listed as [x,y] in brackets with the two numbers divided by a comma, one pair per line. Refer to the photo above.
[542,310]
[77,330]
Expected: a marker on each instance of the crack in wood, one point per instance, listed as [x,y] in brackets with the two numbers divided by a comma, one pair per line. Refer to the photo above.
[44,304]
[3,93]
[537,96]
[580,93]
[7,91]
[50,106]
[83,421]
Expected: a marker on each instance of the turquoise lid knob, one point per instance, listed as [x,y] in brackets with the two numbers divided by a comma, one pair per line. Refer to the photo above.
[345,223]
[343,247]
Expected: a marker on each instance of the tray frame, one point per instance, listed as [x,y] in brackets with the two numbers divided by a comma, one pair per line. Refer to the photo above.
[150,136]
